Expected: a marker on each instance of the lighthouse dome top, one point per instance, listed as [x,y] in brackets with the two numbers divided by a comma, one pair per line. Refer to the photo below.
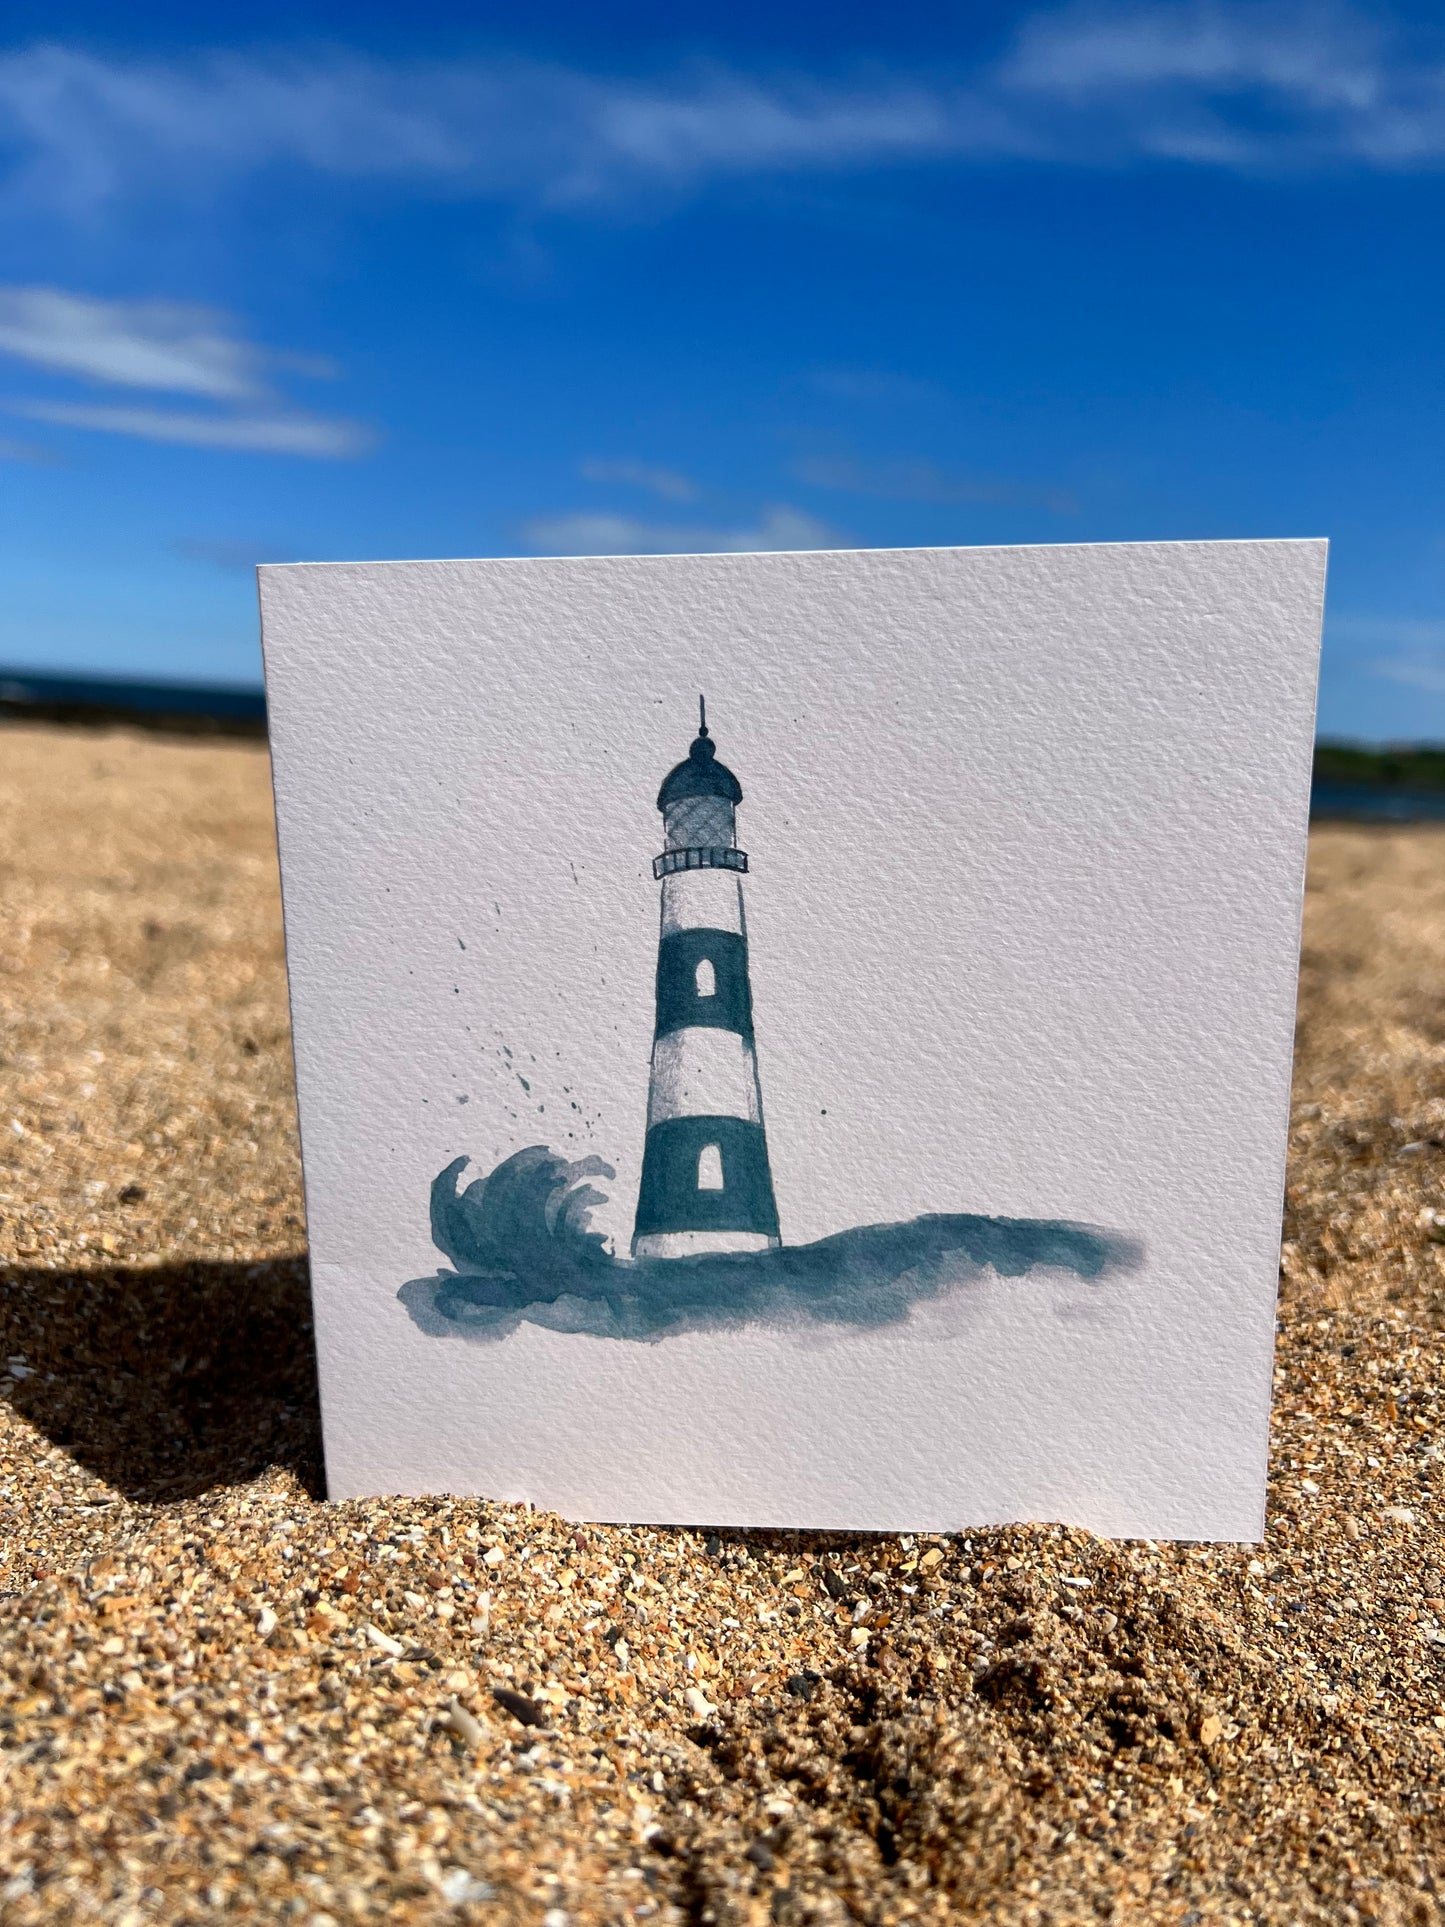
[700,775]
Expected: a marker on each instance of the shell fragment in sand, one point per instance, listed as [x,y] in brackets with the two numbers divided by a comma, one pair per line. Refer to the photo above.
[465,1725]
[388,1645]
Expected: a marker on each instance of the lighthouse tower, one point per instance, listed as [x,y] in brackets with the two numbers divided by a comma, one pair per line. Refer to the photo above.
[706,1185]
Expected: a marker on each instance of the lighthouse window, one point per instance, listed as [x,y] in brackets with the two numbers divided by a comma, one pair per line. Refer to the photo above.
[709,1168]
[706,978]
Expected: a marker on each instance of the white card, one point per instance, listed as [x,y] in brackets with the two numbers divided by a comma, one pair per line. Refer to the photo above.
[867,1112]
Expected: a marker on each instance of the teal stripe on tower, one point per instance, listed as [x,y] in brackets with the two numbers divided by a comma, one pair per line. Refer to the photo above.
[706,1181]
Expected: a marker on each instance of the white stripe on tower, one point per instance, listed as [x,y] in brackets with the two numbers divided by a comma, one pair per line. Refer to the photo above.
[701,1072]
[698,1244]
[702,900]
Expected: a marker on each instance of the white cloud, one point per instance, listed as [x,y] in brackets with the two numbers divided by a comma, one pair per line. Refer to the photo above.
[778,527]
[12,450]
[1415,672]
[664,482]
[1412,652]
[173,348]
[913,479]
[85,129]
[1215,83]
[1230,83]
[266,434]
[1323,53]
[1405,631]
[166,345]
[871,385]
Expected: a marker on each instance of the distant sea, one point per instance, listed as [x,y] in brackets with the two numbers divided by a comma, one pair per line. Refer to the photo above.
[232,707]
[1374,803]
[235,708]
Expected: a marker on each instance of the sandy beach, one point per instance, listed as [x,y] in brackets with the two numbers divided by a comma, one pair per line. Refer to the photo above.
[223,1698]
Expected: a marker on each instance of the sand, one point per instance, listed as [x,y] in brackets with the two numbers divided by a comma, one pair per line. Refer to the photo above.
[223,1698]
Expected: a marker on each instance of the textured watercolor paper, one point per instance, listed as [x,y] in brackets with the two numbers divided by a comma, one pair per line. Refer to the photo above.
[864,1107]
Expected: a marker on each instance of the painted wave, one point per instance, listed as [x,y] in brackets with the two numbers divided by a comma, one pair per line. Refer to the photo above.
[523,1249]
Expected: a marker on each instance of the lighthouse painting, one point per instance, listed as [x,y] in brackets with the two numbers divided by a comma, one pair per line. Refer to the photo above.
[706,1251]
[706,1185]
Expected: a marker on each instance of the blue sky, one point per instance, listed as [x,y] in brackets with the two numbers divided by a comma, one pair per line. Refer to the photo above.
[338,282]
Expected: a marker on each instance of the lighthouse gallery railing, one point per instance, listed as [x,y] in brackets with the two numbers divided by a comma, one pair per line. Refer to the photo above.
[671,861]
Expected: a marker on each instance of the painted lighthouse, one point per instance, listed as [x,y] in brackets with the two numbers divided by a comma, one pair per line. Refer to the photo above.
[706,1183]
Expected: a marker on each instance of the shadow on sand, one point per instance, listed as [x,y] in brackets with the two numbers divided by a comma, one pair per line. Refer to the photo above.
[168,1381]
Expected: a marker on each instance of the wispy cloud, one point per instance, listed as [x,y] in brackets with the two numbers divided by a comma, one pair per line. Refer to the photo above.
[318,436]
[915,480]
[1232,83]
[1083,49]
[1243,84]
[171,348]
[663,482]
[777,527]
[12,450]
[1401,649]
[86,129]
[1420,669]
[870,385]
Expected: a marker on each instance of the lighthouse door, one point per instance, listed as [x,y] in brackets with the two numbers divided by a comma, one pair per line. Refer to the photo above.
[709,1168]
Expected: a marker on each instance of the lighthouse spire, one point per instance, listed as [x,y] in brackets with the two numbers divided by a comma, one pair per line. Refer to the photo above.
[706,1182]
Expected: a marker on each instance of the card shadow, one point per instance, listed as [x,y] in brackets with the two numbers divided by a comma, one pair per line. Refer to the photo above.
[168,1381]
